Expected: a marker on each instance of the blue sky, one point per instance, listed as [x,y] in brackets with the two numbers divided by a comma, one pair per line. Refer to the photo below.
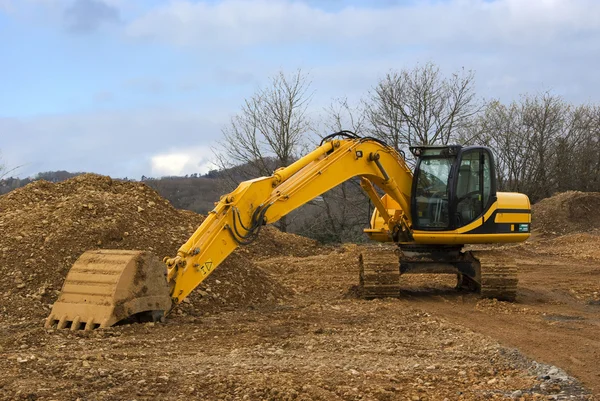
[132,87]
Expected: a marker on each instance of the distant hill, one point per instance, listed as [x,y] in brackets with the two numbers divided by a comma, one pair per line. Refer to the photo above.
[10,183]
[196,193]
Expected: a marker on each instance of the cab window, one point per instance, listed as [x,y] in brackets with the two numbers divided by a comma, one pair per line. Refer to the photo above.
[432,211]
[473,187]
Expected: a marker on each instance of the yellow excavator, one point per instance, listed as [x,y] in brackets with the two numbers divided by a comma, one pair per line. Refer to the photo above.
[449,201]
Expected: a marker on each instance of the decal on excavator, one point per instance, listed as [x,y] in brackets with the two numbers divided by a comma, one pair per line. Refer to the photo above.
[206,268]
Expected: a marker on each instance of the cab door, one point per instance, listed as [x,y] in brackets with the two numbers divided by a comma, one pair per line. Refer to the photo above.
[475,188]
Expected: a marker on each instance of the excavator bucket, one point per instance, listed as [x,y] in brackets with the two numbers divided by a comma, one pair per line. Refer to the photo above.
[105,287]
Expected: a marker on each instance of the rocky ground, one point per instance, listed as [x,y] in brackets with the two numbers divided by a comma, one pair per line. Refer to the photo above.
[319,343]
[279,320]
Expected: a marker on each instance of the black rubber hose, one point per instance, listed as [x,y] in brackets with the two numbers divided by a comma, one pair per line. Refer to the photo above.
[344,133]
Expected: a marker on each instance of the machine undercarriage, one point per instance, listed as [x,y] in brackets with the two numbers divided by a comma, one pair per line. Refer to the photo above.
[487,273]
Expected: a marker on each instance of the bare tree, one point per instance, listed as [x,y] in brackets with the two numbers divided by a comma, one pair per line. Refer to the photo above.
[339,216]
[577,151]
[421,106]
[341,213]
[544,119]
[5,170]
[542,144]
[501,128]
[386,121]
[270,130]
[341,115]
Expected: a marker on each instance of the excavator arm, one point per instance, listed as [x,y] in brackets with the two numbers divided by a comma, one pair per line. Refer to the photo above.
[238,217]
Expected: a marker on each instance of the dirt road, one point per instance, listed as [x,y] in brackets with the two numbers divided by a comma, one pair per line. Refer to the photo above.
[556,318]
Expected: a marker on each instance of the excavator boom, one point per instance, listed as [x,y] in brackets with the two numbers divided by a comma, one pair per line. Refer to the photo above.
[238,217]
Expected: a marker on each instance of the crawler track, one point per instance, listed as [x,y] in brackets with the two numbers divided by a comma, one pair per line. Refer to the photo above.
[379,273]
[498,276]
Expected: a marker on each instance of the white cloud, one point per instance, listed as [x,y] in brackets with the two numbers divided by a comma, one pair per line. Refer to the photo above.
[227,22]
[514,46]
[113,143]
[178,162]
[169,164]
[240,23]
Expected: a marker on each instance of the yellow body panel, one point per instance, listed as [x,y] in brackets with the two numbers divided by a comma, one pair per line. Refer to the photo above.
[427,237]
[513,218]
[509,201]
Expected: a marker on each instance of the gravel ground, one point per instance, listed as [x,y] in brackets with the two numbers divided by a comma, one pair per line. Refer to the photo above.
[317,344]
[279,320]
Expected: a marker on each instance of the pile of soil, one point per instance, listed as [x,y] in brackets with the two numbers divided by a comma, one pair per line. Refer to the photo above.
[582,246]
[567,212]
[272,242]
[46,227]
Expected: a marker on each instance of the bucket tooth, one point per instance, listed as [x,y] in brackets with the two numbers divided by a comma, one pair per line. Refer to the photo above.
[105,287]
[62,323]
[75,323]
[89,325]
[50,321]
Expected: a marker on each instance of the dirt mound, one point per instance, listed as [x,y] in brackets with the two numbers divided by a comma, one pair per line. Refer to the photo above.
[272,242]
[575,246]
[46,227]
[567,212]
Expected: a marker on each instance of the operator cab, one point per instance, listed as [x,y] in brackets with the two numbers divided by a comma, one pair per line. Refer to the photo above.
[452,186]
